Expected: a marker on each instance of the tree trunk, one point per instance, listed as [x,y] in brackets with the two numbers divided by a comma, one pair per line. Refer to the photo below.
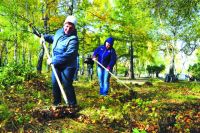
[172,77]
[41,54]
[83,54]
[131,73]
[1,59]
[83,67]
[15,49]
[1,53]
[49,49]
[29,58]
[5,62]
[40,60]
[157,75]
[71,7]
[23,56]
[171,68]
[116,69]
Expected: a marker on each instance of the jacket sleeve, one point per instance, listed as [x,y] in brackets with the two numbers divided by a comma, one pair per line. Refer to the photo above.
[69,54]
[112,59]
[96,52]
[49,38]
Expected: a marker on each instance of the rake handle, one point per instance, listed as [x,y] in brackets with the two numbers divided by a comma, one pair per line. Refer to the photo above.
[54,71]
[111,74]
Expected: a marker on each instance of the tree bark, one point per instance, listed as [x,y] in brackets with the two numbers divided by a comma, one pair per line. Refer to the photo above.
[15,50]
[116,68]
[1,53]
[131,73]
[30,58]
[83,53]
[171,68]
[40,60]
[5,62]
[23,56]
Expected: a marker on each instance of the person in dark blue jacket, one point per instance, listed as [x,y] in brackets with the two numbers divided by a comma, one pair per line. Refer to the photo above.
[107,57]
[64,58]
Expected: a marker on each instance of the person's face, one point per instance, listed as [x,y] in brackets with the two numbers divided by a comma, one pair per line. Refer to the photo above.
[68,28]
[108,45]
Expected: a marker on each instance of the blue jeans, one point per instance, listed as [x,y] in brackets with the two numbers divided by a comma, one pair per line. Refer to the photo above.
[103,77]
[66,77]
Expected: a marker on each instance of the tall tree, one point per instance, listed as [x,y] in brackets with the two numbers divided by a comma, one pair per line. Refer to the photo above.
[134,22]
[175,17]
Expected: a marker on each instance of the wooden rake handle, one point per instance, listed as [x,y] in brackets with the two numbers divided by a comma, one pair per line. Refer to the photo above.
[54,70]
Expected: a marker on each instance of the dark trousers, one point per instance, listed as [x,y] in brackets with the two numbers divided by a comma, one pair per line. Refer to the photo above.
[66,77]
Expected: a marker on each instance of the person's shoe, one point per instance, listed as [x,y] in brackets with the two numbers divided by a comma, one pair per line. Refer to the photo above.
[72,109]
[56,101]
[55,106]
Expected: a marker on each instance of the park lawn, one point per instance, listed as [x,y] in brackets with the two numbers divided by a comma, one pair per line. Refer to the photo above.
[155,106]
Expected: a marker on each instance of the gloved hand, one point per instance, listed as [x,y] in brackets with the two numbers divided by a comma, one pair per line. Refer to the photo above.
[108,68]
[42,39]
[49,61]
[94,58]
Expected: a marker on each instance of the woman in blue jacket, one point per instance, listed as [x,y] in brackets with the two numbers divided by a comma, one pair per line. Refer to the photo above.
[107,57]
[64,58]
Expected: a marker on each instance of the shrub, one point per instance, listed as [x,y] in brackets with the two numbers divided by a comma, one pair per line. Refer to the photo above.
[4,112]
[15,74]
[195,71]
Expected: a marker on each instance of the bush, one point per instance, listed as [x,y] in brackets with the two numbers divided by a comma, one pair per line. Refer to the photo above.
[155,69]
[15,74]
[195,71]
[4,112]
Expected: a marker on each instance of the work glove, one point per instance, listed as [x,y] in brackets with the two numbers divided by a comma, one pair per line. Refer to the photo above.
[94,58]
[42,39]
[49,61]
[108,68]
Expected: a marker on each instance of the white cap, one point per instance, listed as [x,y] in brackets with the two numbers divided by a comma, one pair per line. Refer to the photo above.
[71,19]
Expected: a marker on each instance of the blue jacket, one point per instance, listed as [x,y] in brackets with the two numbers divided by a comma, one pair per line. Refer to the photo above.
[107,57]
[64,49]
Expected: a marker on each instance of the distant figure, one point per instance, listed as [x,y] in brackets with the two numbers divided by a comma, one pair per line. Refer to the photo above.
[107,57]
[126,73]
[90,64]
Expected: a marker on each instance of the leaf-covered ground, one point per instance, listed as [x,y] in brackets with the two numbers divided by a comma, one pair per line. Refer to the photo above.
[154,106]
